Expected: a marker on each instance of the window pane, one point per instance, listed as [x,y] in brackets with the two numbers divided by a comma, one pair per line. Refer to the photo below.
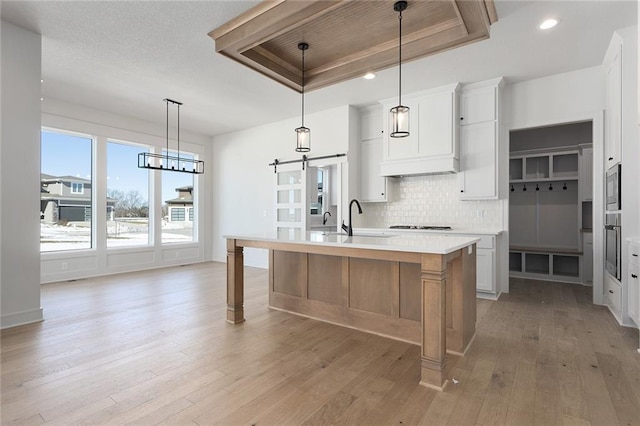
[65,192]
[177,197]
[127,197]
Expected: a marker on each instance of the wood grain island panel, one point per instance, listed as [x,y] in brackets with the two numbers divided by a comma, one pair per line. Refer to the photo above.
[427,299]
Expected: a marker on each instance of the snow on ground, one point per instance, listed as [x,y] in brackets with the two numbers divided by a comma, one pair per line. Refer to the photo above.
[121,233]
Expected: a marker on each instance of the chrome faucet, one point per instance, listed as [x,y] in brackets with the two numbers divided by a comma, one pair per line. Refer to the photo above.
[349,229]
[324,217]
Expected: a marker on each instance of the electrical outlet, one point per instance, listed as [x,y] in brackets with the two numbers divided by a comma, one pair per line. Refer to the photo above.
[64,266]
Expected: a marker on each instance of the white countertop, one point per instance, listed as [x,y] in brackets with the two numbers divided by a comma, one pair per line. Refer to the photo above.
[437,244]
[461,231]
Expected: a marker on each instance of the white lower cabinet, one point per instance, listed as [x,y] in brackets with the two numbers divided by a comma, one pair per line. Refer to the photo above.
[485,263]
[485,280]
[587,256]
[633,304]
[614,296]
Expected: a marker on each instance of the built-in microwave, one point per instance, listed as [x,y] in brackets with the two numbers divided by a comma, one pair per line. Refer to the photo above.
[614,179]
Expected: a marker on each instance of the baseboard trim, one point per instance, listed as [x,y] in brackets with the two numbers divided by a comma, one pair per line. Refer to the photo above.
[21,318]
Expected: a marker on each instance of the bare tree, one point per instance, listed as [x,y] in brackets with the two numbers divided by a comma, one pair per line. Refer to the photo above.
[128,203]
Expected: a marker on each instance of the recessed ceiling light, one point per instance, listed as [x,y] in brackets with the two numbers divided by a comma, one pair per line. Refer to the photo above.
[369,76]
[548,23]
[41,99]
[41,81]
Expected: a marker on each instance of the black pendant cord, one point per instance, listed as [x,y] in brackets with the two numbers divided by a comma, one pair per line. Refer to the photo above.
[167,102]
[303,87]
[178,136]
[400,58]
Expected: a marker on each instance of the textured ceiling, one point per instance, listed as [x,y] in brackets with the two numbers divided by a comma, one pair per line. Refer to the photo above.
[126,56]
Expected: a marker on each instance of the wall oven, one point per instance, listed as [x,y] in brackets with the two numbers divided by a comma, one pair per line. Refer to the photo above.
[613,245]
[614,178]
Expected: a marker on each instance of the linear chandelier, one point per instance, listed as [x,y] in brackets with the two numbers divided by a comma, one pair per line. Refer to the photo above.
[171,163]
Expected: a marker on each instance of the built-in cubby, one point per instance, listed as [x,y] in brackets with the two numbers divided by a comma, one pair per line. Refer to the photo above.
[545,265]
[535,167]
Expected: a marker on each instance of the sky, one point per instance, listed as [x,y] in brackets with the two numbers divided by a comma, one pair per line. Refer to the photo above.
[70,155]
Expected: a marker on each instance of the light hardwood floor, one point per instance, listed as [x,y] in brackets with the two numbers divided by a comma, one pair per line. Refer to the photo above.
[153,347]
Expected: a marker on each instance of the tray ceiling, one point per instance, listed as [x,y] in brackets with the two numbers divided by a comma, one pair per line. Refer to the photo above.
[347,38]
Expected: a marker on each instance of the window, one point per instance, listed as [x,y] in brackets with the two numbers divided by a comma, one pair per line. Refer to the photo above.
[65,191]
[77,188]
[127,196]
[178,195]
[177,214]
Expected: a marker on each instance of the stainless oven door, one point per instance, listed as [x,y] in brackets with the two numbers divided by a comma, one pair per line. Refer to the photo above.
[612,246]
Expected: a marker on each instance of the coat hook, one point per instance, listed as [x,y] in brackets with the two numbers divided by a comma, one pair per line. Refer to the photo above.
[550,187]
[512,189]
[537,187]
[564,187]
[524,187]
[275,166]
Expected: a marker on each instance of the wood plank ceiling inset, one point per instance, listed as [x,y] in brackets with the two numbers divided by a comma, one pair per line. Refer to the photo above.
[347,38]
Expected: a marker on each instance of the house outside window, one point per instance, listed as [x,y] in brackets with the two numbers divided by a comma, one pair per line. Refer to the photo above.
[179,210]
[66,191]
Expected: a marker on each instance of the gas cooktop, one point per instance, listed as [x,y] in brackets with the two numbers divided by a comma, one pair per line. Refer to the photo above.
[424,227]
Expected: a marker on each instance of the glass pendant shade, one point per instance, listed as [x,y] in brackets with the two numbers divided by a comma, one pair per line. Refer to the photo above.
[303,139]
[399,122]
[399,115]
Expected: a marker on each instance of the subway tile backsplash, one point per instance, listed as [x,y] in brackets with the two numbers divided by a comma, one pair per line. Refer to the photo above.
[432,200]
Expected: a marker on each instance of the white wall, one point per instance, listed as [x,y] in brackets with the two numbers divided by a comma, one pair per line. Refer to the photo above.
[65,265]
[20,177]
[243,181]
[565,98]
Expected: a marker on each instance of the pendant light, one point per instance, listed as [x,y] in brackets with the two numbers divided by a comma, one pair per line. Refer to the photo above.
[166,162]
[303,134]
[399,114]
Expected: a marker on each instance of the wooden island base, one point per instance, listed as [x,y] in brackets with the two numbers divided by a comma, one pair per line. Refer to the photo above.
[421,298]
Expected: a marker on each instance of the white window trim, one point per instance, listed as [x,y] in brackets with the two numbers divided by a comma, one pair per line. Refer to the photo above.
[81,188]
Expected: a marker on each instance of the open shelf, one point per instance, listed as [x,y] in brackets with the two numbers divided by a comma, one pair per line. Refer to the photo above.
[515,169]
[536,167]
[565,165]
[566,266]
[515,261]
[538,263]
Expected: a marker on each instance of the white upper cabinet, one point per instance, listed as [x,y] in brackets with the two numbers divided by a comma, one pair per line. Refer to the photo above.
[478,161]
[478,105]
[373,186]
[613,102]
[432,146]
[479,137]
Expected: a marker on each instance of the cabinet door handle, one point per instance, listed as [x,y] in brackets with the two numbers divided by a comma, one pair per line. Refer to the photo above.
[634,254]
[461,118]
[462,190]
[611,291]
[610,158]
[634,276]
[382,193]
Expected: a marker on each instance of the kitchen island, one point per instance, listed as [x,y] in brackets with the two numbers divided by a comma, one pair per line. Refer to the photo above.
[415,288]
